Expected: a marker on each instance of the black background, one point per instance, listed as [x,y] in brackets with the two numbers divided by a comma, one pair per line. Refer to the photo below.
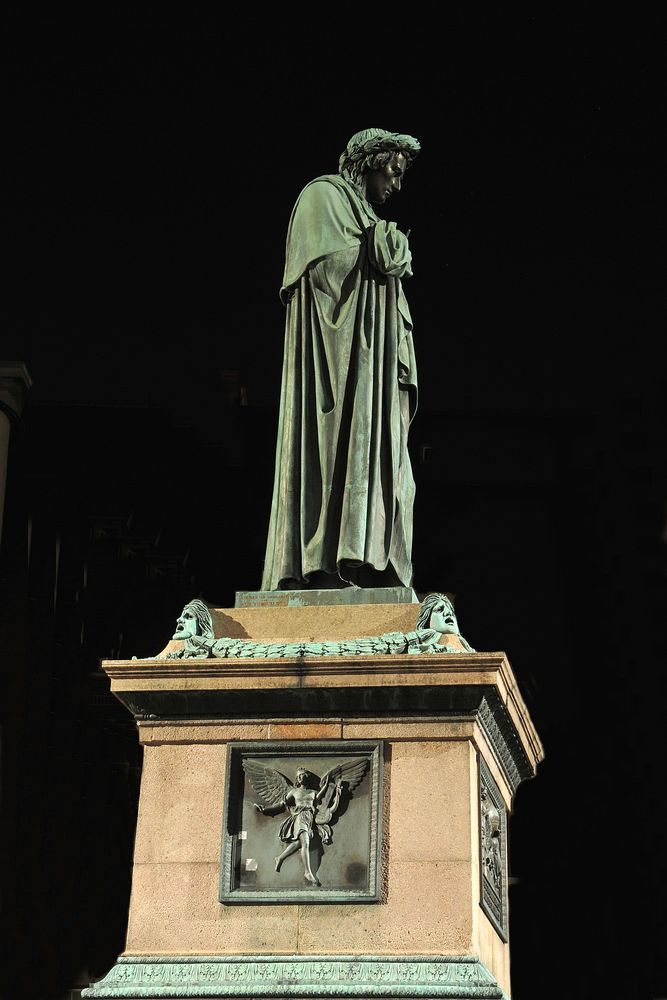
[150,172]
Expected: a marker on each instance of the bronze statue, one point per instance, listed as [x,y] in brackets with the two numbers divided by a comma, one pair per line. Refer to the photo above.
[312,810]
[343,491]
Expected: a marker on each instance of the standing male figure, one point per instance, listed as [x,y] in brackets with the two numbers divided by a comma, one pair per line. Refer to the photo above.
[343,492]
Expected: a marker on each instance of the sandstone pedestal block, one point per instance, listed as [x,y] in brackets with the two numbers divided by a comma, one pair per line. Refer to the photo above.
[455,740]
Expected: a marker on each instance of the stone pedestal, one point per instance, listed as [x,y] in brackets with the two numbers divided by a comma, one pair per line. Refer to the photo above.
[456,741]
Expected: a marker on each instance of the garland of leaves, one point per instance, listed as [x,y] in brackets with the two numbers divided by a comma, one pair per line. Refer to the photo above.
[389,142]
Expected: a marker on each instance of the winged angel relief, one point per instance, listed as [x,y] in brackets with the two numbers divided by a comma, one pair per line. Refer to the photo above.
[312,809]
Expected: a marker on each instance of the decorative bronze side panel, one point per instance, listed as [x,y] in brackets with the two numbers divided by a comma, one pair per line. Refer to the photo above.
[302,822]
[493,851]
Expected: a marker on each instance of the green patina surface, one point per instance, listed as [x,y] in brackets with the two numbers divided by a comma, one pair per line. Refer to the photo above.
[298,976]
[316,598]
[435,619]
[343,488]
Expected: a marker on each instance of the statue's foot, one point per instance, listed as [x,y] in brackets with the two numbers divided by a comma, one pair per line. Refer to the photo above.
[278,862]
[309,877]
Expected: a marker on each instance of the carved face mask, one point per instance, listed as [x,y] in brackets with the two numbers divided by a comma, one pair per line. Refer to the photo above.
[379,185]
[443,619]
[186,625]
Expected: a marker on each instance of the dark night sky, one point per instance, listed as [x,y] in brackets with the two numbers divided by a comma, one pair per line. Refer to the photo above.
[152,168]
[153,174]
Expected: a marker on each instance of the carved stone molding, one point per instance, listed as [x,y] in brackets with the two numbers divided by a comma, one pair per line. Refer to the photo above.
[500,733]
[480,701]
[296,976]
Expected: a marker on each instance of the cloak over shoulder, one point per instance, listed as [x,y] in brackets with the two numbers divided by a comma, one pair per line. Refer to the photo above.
[343,489]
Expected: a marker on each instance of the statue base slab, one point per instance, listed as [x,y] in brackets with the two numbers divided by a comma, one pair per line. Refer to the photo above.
[327,598]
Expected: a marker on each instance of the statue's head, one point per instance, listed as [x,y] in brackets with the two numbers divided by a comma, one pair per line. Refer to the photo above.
[301,777]
[195,619]
[437,612]
[376,160]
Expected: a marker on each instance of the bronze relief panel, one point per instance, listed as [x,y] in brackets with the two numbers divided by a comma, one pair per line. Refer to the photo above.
[302,822]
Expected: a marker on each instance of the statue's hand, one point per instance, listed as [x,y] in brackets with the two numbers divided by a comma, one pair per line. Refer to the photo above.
[259,808]
[389,250]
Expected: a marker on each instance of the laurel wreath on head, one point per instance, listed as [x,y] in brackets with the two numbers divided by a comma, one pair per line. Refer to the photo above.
[390,142]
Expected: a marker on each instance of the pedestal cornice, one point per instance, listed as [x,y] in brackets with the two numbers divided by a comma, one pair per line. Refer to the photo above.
[474,685]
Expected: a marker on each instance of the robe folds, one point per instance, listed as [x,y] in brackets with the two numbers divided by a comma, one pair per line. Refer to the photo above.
[343,489]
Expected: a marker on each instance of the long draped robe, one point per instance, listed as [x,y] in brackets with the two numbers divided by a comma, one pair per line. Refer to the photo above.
[343,490]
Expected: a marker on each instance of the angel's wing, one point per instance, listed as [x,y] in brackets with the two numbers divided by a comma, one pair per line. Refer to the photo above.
[331,786]
[351,774]
[270,785]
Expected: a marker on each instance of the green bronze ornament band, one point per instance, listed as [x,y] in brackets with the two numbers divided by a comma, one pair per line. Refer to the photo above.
[297,976]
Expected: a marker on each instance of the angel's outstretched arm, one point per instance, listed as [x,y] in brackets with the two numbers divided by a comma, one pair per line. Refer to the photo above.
[269,810]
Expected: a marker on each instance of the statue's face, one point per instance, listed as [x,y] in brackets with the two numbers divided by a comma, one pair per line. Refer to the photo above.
[379,185]
[300,777]
[187,624]
[443,618]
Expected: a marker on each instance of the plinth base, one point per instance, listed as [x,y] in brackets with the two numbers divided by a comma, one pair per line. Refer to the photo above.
[314,976]
[324,598]
[453,741]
